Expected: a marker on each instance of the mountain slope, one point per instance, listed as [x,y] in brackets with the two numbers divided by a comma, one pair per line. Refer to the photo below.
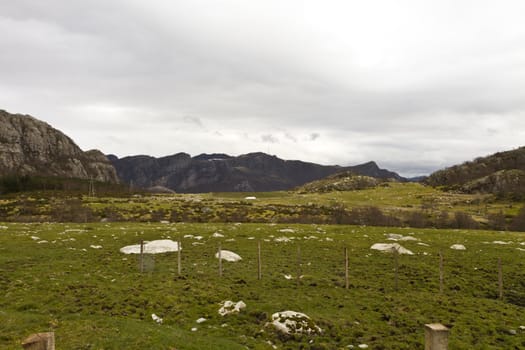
[223,173]
[29,146]
[501,173]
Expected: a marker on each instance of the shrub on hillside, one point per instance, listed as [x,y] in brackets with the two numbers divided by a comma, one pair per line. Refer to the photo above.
[518,223]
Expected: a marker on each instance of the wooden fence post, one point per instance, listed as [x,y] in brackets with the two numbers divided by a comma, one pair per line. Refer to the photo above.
[346,268]
[259,267]
[141,256]
[436,337]
[396,267]
[299,264]
[40,341]
[441,272]
[179,259]
[500,279]
[220,260]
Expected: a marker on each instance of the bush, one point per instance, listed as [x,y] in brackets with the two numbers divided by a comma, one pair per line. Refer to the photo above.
[464,220]
[518,223]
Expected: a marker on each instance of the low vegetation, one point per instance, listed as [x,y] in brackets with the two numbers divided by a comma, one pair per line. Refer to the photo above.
[15,184]
[387,204]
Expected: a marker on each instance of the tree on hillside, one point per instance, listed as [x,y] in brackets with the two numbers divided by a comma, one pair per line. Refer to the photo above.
[497,221]
[464,220]
[417,219]
[442,220]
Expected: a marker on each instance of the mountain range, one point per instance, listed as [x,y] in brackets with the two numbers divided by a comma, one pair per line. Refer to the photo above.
[250,172]
[31,147]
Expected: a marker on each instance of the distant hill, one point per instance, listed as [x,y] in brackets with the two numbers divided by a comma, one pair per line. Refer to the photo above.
[224,173]
[502,174]
[345,181]
[32,147]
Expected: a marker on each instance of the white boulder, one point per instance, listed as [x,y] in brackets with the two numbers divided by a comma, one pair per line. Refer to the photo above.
[228,256]
[153,247]
[398,237]
[293,322]
[390,248]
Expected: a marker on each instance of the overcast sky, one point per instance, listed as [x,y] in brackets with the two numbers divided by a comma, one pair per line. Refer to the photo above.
[414,85]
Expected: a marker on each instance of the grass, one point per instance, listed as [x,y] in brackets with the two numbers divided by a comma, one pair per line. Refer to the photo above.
[97,298]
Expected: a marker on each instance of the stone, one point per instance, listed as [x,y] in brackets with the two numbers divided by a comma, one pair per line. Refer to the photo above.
[293,322]
[390,247]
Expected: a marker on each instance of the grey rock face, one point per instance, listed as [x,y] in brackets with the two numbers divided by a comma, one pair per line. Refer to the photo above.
[29,146]
[222,173]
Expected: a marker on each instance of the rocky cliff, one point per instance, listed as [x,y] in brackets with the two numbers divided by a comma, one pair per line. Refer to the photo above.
[220,172]
[502,174]
[29,146]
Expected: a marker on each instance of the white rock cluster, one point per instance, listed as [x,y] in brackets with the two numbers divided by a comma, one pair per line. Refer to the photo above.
[230,307]
[293,322]
[390,248]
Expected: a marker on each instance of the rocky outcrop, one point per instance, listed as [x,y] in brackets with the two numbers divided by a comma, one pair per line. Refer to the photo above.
[501,174]
[501,183]
[223,173]
[29,146]
[345,181]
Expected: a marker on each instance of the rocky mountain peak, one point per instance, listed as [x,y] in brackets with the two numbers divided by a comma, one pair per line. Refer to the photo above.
[29,146]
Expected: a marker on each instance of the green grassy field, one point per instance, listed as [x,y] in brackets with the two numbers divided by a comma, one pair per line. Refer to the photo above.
[54,277]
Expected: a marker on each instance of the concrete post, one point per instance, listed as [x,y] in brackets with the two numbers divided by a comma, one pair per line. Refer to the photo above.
[40,341]
[436,337]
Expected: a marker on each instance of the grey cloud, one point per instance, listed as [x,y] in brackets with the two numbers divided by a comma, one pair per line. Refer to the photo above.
[193,120]
[314,136]
[268,138]
[243,70]
[290,137]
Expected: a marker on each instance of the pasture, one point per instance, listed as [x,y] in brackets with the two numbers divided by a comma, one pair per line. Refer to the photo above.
[73,280]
